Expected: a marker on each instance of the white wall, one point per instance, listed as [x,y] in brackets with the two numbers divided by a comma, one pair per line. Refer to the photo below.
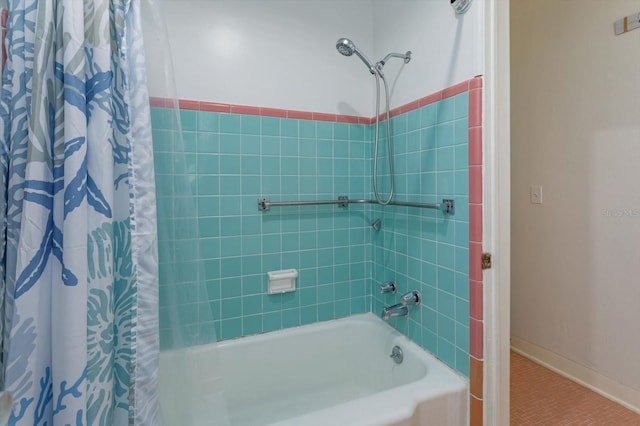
[447,48]
[281,53]
[275,53]
[576,131]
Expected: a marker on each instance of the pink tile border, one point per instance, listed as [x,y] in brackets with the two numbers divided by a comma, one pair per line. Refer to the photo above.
[322,116]
[184,104]
[161,102]
[353,119]
[473,85]
[475,267]
[301,115]
[244,109]
[273,112]
[456,89]
[476,342]
[475,300]
[475,146]
[475,223]
[476,287]
[214,107]
[429,99]
[475,184]
[475,107]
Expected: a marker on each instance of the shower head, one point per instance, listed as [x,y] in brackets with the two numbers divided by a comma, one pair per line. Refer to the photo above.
[345,46]
[348,48]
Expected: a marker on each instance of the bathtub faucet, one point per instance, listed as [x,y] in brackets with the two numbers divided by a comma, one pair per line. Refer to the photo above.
[397,310]
[401,309]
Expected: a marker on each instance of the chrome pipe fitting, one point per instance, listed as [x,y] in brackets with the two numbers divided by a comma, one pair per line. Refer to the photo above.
[411,298]
[389,287]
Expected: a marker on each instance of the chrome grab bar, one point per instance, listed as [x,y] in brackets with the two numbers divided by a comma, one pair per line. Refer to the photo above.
[447,206]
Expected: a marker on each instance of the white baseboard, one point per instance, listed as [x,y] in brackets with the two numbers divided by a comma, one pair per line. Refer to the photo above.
[623,395]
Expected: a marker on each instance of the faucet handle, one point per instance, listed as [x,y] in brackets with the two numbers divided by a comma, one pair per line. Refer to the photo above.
[389,287]
[411,298]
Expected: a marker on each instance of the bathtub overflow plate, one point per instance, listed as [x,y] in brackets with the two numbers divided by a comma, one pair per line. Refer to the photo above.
[397,355]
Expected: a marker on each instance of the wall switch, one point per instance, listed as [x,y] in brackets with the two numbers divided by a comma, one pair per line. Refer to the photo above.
[535,194]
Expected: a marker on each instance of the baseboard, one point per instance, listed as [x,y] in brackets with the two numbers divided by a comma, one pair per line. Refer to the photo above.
[623,395]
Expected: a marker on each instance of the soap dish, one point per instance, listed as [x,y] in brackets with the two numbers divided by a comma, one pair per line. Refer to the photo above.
[282,281]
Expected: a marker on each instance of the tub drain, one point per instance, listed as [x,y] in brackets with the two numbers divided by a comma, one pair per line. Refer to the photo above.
[396,355]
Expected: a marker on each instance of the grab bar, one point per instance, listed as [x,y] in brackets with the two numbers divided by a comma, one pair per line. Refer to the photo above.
[447,206]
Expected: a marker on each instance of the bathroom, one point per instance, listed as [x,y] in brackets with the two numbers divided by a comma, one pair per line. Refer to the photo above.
[247,101]
[251,105]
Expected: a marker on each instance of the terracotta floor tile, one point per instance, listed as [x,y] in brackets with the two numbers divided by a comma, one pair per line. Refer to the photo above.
[540,397]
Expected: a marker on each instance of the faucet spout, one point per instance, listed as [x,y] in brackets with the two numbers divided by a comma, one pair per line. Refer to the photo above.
[397,310]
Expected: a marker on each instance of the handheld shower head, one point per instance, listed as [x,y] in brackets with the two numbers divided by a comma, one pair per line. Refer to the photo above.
[348,48]
[345,46]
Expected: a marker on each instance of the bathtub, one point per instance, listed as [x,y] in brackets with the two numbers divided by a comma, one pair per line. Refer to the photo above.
[334,373]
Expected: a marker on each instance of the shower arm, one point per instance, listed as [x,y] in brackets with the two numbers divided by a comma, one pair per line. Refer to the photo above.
[405,56]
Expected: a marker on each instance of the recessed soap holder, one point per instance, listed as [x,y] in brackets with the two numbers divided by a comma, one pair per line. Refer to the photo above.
[282,281]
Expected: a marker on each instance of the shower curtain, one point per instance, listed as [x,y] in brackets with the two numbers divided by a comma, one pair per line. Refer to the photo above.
[78,258]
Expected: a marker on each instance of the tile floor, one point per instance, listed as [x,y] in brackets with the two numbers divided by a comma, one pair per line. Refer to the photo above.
[543,398]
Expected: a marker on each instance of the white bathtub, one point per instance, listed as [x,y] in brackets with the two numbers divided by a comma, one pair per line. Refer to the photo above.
[334,373]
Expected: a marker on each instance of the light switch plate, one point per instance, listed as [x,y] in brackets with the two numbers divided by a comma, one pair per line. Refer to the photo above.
[535,194]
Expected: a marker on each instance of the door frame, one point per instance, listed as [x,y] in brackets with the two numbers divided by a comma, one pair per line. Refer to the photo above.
[496,212]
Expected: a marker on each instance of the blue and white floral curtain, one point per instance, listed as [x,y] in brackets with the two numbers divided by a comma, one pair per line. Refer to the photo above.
[78,255]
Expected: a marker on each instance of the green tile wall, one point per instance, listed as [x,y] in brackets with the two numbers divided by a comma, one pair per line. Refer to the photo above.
[425,250]
[231,160]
